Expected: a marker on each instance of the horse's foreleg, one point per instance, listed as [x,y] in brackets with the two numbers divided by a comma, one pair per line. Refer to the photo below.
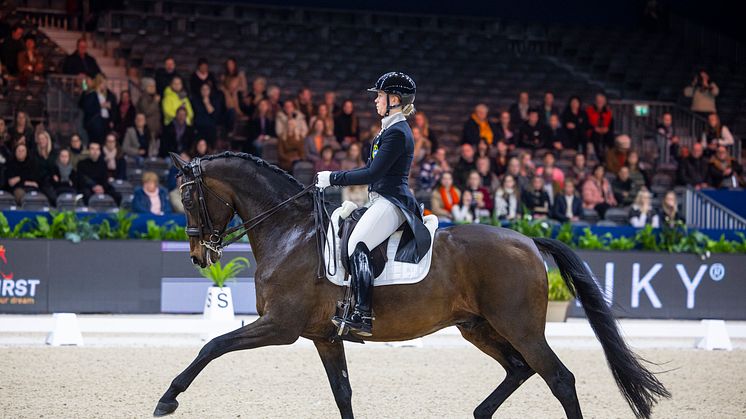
[333,357]
[262,332]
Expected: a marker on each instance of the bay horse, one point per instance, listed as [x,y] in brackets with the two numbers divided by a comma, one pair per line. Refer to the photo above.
[489,282]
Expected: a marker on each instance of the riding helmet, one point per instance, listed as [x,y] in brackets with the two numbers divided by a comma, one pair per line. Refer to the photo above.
[396,83]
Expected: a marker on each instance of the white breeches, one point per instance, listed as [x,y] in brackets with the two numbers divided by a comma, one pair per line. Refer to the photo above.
[378,223]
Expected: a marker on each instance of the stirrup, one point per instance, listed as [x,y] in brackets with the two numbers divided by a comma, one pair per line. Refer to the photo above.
[362,327]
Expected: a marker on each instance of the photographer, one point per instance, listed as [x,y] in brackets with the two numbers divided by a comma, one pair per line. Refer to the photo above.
[703,91]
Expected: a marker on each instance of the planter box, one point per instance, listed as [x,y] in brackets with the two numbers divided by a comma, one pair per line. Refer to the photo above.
[557,311]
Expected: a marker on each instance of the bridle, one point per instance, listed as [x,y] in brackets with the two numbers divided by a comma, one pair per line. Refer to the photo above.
[216,236]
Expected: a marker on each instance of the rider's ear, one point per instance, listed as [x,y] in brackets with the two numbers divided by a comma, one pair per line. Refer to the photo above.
[178,162]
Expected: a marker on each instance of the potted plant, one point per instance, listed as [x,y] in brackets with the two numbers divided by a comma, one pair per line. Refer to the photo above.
[219,301]
[559,297]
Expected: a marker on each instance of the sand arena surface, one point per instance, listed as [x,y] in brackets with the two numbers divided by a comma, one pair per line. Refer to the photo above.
[289,382]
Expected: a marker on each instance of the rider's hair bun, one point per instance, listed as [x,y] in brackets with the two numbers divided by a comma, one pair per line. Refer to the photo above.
[408,110]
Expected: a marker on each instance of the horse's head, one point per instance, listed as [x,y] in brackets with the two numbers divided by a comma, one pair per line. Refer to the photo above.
[208,207]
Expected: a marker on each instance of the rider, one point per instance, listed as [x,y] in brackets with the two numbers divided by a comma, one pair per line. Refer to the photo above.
[391,202]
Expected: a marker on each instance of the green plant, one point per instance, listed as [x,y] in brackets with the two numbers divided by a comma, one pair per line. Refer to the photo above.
[13,233]
[123,222]
[565,235]
[646,238]
[531,227]
[175,232]
[720,246]
[590,241]
[558,290]
[219,273]
[740,247]
[620,243]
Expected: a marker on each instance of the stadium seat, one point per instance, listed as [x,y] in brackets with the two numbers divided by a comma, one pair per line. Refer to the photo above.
[155,164]
[7,201]
[617,215]
[101,203]
[68,201]
[590,216]
[35,201]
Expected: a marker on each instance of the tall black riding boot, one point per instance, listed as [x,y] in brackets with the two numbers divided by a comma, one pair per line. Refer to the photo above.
[360,321]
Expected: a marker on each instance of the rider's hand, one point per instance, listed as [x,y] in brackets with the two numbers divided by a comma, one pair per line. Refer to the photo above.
[322,179]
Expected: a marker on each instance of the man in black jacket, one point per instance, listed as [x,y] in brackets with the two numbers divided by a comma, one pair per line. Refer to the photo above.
[177,136]
[568,206]
[163,76]
[93,177]
[9,50]
[693,170]
[79,62]
[465,165]
[536,199]
[533,134]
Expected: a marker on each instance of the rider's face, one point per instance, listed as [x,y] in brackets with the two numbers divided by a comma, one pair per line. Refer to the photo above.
[381,102]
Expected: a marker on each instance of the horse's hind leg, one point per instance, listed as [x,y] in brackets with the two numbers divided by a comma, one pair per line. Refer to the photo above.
[333,357]
[262,332]
[484,337]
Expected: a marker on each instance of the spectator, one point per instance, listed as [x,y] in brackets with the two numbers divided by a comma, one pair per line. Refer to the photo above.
[533,135]
[552,176]
[80,63]
[78,151]
[232,101]
[93,177]
[500,163]
[137,139]
[466,164]
[5,143]
[322,113]
[353,159]
[178,136]
[21,132]
[201,148]
[617,157]
[488,179]
[463,212]
[557,135]
[478,127]
[150,198]
[317,140]
[574,121]
[527,165]
[30,62]
[273,96]
[127,113]
[261,128]
[597,193]
[669,212]
[548,108]
[230,73]
[514,170]
[536,199]
[483,149]
[432,169]
[666,136]
[519,110]
[346,125]
[636,172]
[355,193]
[624,189]
[150,105]
[45,156]
[423,124]
[63,174]
[508,199]
[291,129]
[208,112]
[716,133]
[201,76]
[175,97]
[445,197]
[116,167]
[330,100]
[567,205]
[505,131]
[100,110]
[24,176]
[164,76]
[250,101]
[642,212]
[326,162]
[724,171]
[134,84]
[703,91]
[482,198]
[304,103]
[422,147]
[10,49]
[600,126]
[694,169]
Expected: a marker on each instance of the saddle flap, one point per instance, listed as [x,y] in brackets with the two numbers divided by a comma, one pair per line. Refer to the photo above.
[378,254]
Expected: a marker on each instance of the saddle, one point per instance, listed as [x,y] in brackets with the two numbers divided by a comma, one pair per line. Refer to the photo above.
[377,255]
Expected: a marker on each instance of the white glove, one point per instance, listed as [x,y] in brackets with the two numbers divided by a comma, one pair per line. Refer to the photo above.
[323,180]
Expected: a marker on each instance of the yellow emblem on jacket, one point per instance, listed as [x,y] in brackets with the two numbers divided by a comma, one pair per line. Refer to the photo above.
[375,150]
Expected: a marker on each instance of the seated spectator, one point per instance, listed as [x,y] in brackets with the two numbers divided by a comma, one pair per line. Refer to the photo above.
[322,113]
[291,129]
[481,195]
[201,148]
[63,173]
[326,162]
[202,75]
[134,84]
[536,198]
[694,170]
[465,165]
[330,100]
[557,136]
[445,196]
[136,141]
[422,147]
[355,193]
[488,179]
[30,61]
[250,101]
[483,149]
[432,168]
[642,212]
[423,124]
[21,132]
[150,197]
[178,135]
[624,189]
[164,76]
[93,176]
[127,113]
[354,158]
[9,50]
[174,197]
[24,176]
[208,112]
[100,110]
[703,92]
[273,98]
[464,211]
[5,143]
[519,110]
[548,108]
[500,162]
[230,73]
[505,131]
[112,154]
[79,63]
[567,205]
[231,97]
[527,165]
[347,125]
[552,175]
[666,136]
[149,104]
[317,140]
[261,128]
[174,98]
[574,121]
[616,157]
[514,170]
[638,175]
[597,193]
[45,155]
[78,151]
[478,127]
[716,132]
[724,171]
[304,103]
[508,204]
[533,135]
[600,126]
[669,212]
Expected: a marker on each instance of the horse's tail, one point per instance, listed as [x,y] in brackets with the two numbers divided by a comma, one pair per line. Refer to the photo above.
[638,385]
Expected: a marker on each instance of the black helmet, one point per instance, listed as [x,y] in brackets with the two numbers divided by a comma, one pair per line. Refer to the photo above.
[396,83]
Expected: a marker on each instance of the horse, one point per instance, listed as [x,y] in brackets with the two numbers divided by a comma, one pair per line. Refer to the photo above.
[489,282]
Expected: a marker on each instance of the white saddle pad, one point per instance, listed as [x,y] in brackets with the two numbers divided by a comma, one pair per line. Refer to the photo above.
[395,273]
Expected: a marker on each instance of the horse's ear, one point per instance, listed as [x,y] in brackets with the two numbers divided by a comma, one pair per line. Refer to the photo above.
[178,162]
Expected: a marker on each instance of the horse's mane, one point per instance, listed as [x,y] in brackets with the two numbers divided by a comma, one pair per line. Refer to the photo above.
[258,162]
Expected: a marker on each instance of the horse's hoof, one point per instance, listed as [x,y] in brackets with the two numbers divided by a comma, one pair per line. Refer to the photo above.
[165,408]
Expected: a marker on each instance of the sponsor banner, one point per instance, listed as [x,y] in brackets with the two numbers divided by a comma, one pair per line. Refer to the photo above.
[24,276]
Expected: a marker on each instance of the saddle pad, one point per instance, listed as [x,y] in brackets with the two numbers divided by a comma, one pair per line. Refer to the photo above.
[395,273]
